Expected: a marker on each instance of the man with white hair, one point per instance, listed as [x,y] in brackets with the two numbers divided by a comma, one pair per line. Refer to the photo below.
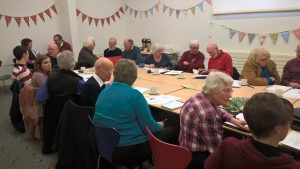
[191,59]
[132,52]
[86,58]
[112,50]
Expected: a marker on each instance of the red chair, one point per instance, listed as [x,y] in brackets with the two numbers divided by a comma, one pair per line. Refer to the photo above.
[114,59]
[166,156]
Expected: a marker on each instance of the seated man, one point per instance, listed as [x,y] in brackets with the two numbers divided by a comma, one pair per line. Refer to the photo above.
[269,118]
[219,60]
[32,55]
[95,84]
[62,45]
[20,71]
[86,58]
[112,50]
[191,59]
[132,52]
[291,72]
[52,53]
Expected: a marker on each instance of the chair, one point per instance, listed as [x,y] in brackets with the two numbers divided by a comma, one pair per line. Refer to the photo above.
[167,155]
[4,77]
[236,75]
[107,140]
[114,59]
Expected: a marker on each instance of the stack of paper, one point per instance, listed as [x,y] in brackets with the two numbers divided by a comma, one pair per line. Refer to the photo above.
[238,116]
[161,99]
[236,84]
[173,72]
[292,93]
[141,89]
[273,88]
[292,140]
[172,105]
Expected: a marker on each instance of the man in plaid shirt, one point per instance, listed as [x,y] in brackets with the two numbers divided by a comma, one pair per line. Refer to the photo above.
[201,119]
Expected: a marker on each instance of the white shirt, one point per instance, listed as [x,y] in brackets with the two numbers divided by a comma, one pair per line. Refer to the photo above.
[97,78]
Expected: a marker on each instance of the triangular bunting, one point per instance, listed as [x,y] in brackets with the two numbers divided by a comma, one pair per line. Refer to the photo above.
[285,36]
[121,9]
[157,7]
[26,19]
[7,19]
[90,20]
[131,10]
[251,36]
[185,13]
[164,8]
[18,20]
[102,21]
[171,11]
[141,13]
[200,6]
[33,18]
[146,13]
[42,16]
[117,14]
[78,12]
[262,39]
[232,32]
[209,2]
[83,17]
[126,7]
[54,8]
[108,20]
[241,36]
[135,13]
[151,11]
[274,37]
[96,20]
[113,18]
[177,13]
[47,11]
[297,33]
[193,9]
[0,17]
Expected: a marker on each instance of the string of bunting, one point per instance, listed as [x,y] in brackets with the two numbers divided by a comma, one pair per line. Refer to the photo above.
[18,19]
[285,35]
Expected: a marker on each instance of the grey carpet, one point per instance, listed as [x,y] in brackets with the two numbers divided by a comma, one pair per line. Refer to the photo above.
[19,151]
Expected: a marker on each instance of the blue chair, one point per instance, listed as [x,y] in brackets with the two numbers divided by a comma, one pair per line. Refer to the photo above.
[3,78]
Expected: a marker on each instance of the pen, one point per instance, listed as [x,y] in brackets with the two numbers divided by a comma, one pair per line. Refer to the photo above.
[250,86]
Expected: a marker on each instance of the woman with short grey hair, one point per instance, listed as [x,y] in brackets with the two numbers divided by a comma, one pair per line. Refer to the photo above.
[158,59]
[201,118]
[125,72]
[86,57]
[65,60]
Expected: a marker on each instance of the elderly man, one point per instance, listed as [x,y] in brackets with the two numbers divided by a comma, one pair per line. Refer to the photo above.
[191,59]
[95,84]
[201,119]
[86,58]
[132,52]
[62,45]
[291,71]
[112,50]
[52,53]
[219,60]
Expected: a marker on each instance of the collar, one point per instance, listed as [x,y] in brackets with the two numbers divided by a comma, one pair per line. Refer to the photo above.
[62,43]
[265,149]
[99,81]
[111,49]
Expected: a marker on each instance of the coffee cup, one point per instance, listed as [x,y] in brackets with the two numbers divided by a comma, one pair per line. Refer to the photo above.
[153,90]
[82,68]
[244,82]
[279,92]
[156,71]
[195,71]
[180,76]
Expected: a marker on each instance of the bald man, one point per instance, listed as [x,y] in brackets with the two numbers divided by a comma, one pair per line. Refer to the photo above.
[95,84]
[219,60]
[112,50]
[52,53]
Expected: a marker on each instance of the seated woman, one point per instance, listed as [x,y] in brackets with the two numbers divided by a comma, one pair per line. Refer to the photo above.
[269,118]
[42,68]
[122,107]
[158,59]
[259,69]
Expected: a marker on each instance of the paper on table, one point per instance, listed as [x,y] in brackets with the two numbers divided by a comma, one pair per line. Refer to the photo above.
[83,75]
[292,140]
[161,99]
[141,89]
[173,72]
[172,105]
[273,88]
[238,116]
[236,84]
[292,93]
[200,76]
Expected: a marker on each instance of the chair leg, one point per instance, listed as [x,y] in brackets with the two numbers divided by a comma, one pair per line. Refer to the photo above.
[98,162]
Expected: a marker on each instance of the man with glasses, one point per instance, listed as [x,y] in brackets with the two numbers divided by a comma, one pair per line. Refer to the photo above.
[52,53]
[291,71]
[191,59]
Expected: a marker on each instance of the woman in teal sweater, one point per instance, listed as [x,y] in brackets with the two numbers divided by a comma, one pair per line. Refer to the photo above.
[122,107]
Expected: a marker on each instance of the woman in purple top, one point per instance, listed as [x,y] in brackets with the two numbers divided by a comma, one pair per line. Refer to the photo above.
[42,68]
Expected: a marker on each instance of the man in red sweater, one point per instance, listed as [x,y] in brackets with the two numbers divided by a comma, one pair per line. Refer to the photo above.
[269,118]
[219,60]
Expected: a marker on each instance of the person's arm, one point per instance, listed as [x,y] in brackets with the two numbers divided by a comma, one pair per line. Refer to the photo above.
[180,65]
[139,58]
[148,62]
[228,65]
[249,73]
[167,61]
[286,75]
[42,94]
[199,62]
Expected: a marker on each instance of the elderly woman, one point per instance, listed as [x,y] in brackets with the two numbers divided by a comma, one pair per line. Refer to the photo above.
[201,119]
[259,69]
[269,126]
[86,58]
[56,91]
[191,59]
[122,107]
[42,68]
[158,59]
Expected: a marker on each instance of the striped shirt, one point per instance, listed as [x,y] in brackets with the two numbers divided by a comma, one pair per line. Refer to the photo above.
[21,73]
[201,124]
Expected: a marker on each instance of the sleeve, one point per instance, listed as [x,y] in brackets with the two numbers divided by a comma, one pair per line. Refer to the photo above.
[148,60]
[199,63]
[105,53]
[42,94]
[249,72]
[143,113]
[139,57]
[274,72]
[168,62]
[224,114]
[228,65]
[80,86]
[286,75]
[181,66]
[90,59]
[38,79]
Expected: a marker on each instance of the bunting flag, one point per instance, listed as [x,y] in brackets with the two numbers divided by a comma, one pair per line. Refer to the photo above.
[146,13]
[126,7]
[53,8]
[18,20]
[193,10]
[83,17]
[232,32]
[90,20]
[0,17]
[113,18]
[47,11]
[170,11]
[157,7]
[209,2]
[78,12]
[117,14]
[151,11]
[102,21]
[274,38]
[7,19]
[121,9]
[33,18]
[96,20]
[164,8]
[108,20]
[261,39]
[42,16]
[297,33]
[135,13]
[131,11]
[26,19]
[177,13]
[251,36]
[200,6]
[241,36]
[285,36]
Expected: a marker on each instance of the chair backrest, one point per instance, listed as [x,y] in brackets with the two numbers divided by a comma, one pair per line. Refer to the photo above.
[236,75]
[114,59]
[107,140]
[167,155]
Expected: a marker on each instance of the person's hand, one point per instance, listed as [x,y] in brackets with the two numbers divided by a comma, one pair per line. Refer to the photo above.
[185,63]
[294,85]
[273,79]
[150,65]
[240,123]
